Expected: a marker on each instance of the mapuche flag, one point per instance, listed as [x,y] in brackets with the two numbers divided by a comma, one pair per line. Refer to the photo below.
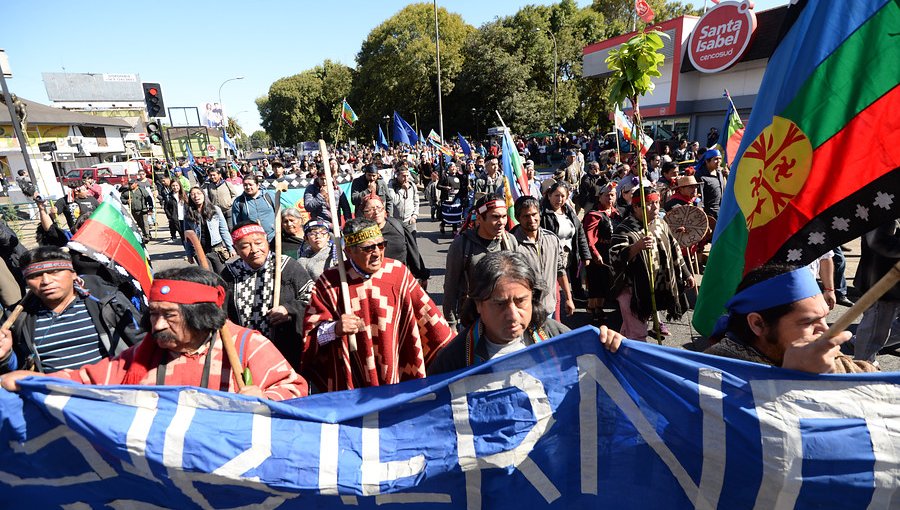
[819,164]
[731,134]
[628,131]
[347,113]
[109,238]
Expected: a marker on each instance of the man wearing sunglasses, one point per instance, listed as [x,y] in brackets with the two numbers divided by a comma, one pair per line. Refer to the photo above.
[398,328]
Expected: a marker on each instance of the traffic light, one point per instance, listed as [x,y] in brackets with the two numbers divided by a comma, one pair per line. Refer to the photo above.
[154,133]
[154,100]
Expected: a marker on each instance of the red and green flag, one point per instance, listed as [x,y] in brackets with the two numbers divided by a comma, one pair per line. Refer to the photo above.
[819,163]
[347,113]
[731,134]
[109,237]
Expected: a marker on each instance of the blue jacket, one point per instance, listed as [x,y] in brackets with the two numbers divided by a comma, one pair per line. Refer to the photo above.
[260,209]
[218,232]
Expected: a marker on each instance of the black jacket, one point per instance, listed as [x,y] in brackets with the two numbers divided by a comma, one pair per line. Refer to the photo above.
[116,320]
[400,244]
[579,242]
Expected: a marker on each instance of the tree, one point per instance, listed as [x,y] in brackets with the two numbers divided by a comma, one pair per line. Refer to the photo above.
[396,66]
[234,129]
[621,17]
[259,139]
[305,106]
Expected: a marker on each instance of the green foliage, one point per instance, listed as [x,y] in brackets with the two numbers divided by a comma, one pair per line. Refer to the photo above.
[506,65]
[634,64]
[305,106]
[259,139]
[396,66]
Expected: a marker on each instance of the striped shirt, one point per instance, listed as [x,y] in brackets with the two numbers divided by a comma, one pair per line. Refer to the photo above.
[67,339]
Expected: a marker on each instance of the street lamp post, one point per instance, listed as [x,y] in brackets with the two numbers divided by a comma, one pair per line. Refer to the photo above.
[220,96]
[387,128]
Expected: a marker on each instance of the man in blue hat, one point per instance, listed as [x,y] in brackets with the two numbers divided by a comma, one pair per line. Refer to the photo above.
[711,180]
[777,317]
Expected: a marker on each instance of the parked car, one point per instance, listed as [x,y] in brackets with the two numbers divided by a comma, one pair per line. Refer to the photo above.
[115,173]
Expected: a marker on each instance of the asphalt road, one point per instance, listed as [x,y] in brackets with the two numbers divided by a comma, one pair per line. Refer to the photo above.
[434,246]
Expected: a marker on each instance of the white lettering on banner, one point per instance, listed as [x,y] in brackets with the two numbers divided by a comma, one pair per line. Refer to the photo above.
[704,496]
[260,448]
[780,405]
[517,457]
[374,472]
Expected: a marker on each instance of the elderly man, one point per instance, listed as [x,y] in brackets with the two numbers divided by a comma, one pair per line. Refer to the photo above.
[683,193]
[469,247]
[777,317]
[504,314]
[398,328]
[184,347]
[254,205]
[250,282]
[68,321]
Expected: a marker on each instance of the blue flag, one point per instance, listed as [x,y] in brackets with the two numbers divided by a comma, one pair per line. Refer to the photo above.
[403,132]
[190,154]
[466,148]
[382,142]
[561,424]
[228,141]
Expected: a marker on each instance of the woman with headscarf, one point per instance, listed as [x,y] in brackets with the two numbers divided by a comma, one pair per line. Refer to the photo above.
[291,232]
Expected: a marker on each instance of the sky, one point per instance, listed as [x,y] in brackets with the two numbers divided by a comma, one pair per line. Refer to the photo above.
[191,47]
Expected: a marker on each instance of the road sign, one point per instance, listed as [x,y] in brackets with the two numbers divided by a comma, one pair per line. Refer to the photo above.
[47,146]
[211,148]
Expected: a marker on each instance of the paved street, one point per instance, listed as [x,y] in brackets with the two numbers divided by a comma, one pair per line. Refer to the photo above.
[434,247]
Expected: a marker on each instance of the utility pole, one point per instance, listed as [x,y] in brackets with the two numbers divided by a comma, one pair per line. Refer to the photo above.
[437,45]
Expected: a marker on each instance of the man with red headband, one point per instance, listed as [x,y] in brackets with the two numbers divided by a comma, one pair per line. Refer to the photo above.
[68,321]
[398,328]
[469,247]
[250,284]
[184,347]
[631,253]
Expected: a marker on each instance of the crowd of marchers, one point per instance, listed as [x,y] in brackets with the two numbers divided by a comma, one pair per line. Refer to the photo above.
[592,232]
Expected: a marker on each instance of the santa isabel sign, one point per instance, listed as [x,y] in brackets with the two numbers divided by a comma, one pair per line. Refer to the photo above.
[721,36]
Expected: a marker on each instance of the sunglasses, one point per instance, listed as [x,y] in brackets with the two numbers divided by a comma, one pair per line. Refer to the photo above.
[372,247]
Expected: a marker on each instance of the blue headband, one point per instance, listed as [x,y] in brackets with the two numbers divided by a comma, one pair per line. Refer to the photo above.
[712,153]
[700,166]
[311,224]
[780,290]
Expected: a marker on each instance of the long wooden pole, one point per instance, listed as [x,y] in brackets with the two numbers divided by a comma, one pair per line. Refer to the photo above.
[224,334]
[276,299]
[336,232]
[16,312]
[868,299]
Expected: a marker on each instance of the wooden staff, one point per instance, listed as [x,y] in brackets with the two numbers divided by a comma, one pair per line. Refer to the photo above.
[277,297]
[336,231]
[16,312]
[868,299]
[227,342]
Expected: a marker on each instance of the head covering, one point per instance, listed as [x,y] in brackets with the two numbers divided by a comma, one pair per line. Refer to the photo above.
[38,268]
[632,184]
[186,293]
[686,180]
[491,205]
[246,230]
[366,234]
[529,162]
[572,153]
[780,290]
[311,224]
[701,163]
[609,186]
[649,196]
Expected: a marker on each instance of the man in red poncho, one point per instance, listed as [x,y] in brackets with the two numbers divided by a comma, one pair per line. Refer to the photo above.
[398,328]
[184,348]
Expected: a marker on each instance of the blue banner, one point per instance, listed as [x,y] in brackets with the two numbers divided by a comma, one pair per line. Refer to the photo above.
[563,424]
